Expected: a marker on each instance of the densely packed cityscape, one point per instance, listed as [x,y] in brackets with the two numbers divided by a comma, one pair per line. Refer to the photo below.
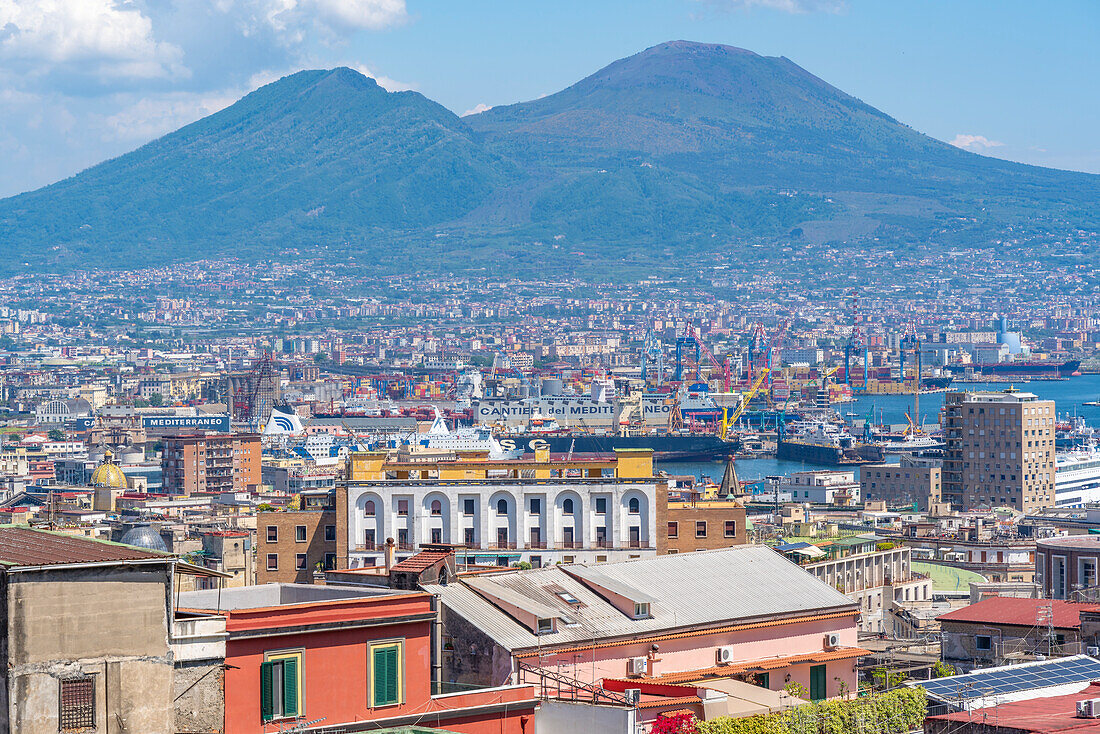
[330,503]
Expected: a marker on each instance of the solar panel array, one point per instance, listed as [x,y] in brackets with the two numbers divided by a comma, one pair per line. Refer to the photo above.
[1078,669]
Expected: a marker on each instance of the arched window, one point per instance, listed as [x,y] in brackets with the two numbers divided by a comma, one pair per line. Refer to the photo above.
[437,507]
[635,506]
[502,507]
[368,509]
[567,506]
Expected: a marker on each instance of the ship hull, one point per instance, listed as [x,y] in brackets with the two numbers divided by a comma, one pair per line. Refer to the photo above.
[665,448]
[1029,369]
[827,455]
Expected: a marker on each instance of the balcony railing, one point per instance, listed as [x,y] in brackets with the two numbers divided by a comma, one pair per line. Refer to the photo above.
[502,545]
[537,545]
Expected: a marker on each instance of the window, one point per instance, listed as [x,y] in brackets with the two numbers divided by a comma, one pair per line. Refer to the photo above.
[76,704]
[568,598]
[368,509]
[545,626]
[641,610]
[272,561]
[731,528]
[330,561]
[330,533]
[502,507]
[299,533]
[272,533]
[817,682]
[387,675]
[300,561]
[403,537]
[468,507]
[437,535]
[536,505]
[701,529]
[567,506]
[634,506]
[983,642]
[467,536]
[763,680]
[674,530]
[368,539]
[403,507]
[280,689]
[601,505]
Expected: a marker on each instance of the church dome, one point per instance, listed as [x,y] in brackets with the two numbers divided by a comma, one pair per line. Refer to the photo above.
[144,536]
[108,474]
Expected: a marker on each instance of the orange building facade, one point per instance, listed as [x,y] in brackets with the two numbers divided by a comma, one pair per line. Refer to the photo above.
[360,662]
[208,463]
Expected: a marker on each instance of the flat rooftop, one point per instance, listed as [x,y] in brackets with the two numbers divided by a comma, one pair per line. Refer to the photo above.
[274,595]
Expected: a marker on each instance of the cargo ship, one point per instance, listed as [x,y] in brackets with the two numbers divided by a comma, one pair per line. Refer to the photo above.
[669,447]
[826,443]
[1024,369]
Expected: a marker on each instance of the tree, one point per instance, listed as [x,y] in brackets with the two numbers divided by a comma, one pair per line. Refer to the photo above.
[156,400]
[56,434]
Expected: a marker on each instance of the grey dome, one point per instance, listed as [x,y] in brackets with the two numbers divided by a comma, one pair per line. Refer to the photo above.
[144,536]
[132,456]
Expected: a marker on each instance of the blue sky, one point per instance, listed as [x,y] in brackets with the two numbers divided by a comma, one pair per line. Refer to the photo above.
[85,80]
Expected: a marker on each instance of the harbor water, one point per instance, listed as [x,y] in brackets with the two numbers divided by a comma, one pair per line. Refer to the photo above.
[1068,395]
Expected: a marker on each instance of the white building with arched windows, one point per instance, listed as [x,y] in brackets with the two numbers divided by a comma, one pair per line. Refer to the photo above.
[503,512]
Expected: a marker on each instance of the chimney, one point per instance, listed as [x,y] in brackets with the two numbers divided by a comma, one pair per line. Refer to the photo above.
[390,548]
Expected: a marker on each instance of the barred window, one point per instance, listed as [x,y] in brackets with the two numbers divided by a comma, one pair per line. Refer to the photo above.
[76,704]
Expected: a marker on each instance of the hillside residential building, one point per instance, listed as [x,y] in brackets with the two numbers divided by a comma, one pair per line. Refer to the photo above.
[1004,629]
[821,487]
[87,635]
[1000,450]
[292,545]
[1066,567]
[904,484]
[744,612]
[685,526]
[500,512]
[354,658]
[211,463]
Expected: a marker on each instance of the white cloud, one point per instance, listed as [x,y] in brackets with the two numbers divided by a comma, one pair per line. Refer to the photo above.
[390,85]
[974,142]
[152,116]
[99,37]
[787,6]
[477,109]
[362,14]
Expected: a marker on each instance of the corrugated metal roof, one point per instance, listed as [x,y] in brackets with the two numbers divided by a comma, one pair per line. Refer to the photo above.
[27,547]
[705,588]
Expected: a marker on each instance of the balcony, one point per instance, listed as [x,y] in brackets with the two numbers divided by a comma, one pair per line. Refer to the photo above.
[372,546]
[569,545]
[502,545]
[537,545]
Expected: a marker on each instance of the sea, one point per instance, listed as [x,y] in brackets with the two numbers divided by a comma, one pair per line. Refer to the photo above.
[1069,396]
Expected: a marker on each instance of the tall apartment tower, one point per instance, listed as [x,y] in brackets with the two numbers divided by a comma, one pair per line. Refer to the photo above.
[1000,450]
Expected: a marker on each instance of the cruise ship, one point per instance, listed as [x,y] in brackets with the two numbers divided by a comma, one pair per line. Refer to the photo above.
[1077,477]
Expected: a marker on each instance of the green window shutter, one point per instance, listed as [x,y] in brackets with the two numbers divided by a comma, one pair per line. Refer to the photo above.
[385,676]
[290,687]
[765,680]
[391,681]
[817,682]
[266,699]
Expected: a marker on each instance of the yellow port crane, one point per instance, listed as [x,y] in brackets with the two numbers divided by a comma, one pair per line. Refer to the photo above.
[727,419]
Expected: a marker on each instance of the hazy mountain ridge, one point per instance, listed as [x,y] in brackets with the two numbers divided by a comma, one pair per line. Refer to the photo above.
[699,146]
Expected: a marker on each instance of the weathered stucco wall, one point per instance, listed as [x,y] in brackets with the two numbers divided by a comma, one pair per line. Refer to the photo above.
[199,697]
[109,623]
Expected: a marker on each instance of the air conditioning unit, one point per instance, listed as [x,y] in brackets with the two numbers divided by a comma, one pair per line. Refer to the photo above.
[636,666]
[1089,708]
[725,654]
[633,695]
[832,641]
[1092,652]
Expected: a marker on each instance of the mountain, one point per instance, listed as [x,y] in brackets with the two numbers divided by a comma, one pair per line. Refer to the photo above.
[683,149]
[323,155]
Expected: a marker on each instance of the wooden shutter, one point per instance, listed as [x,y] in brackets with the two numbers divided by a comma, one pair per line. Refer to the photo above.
[266,700]
[385,676]
[290,686]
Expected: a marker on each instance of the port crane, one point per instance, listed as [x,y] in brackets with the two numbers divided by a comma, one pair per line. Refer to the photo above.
[727,419]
